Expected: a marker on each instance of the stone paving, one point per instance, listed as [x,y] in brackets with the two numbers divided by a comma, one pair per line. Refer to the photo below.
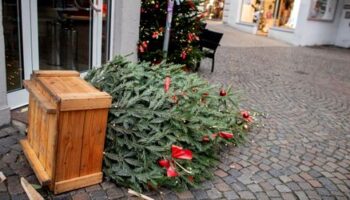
[301,150]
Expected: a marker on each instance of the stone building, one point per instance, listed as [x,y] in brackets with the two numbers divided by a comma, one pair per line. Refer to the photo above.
[60,35]
[298,22]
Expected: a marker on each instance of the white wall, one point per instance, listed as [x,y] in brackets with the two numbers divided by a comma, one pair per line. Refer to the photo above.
[283,35]
[232,13]
[316,32]
[306,32]
[343,34]
[126,28]
[4,109]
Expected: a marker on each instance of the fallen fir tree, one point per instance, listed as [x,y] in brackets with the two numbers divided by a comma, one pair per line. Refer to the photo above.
[165,126]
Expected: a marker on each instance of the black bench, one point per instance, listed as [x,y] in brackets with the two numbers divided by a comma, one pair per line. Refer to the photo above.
[209,42]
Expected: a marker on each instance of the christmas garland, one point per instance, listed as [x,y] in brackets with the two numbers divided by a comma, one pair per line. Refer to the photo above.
[165,126]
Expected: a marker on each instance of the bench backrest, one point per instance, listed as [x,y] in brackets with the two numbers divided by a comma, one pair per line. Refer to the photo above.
[210,39]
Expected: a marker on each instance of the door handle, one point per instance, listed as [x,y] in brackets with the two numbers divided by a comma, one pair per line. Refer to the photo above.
[93,6]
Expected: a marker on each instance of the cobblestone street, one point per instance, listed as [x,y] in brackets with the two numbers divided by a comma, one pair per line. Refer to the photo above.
[301,150]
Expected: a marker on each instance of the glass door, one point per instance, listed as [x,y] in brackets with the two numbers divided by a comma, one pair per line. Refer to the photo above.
[70,34]
[52,35]
[17,49]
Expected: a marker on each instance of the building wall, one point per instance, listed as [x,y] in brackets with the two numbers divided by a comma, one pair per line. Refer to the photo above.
[306,32]
[309,32]
[343,34]
[232,13]
[4,109]
[126,28]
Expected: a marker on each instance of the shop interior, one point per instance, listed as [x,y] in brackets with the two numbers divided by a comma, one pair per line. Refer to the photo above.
[13,45]
[64,37]
[269,13]
[214,9]
[65,34]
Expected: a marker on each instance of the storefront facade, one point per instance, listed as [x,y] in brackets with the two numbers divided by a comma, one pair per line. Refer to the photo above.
[298,22]
[60,35]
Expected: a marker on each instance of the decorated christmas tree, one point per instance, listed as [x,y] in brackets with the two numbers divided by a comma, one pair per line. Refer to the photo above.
[165,126]
[185,28]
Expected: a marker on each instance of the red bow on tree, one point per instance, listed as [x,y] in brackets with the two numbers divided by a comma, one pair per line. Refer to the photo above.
[178,153]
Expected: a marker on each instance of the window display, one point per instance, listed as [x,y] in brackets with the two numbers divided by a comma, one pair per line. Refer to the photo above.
[322,10]
[269,13]
[214,9]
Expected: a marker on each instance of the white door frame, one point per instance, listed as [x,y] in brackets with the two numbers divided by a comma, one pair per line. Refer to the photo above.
[30,45]
[20,97]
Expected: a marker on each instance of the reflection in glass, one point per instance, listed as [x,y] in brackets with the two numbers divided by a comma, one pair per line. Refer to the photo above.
[64,34]
[12,34]
[269,13]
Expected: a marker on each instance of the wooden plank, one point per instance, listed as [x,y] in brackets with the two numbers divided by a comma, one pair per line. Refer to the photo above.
[63,85]
[42,138]
[30,191]
[80,84]
[87,101]
[31,116]
[43,101]
[71,128]
[51,145]
[35,163]
[78,182]
[93,141]
[56,73]
[37,129]
[91,95]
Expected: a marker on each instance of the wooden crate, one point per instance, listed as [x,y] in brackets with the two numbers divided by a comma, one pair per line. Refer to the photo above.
[66,133]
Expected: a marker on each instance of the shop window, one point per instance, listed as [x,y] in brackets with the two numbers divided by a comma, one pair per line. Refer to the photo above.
[286,13]
[269,13]
[214,9]
[66,35]
[251,11]
[11,20]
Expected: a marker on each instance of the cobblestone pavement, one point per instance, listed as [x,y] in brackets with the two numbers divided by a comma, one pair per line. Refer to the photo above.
[302,151]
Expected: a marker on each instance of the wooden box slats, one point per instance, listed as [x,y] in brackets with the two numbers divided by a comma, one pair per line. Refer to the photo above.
[66,133]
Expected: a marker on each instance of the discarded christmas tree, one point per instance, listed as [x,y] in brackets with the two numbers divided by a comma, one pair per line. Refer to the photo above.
[165,126]
[185,29]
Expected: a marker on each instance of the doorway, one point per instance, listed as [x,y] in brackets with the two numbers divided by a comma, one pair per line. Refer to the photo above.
[53,35]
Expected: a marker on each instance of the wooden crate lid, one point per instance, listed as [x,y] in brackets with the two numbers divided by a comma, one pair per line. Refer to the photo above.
[71,91]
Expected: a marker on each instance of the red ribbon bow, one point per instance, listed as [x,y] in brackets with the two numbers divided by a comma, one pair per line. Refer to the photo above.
[180,153]
[176,152]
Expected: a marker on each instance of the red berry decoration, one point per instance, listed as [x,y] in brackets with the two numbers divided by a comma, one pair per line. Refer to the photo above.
[246,116]
[183,55]
[223,93]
